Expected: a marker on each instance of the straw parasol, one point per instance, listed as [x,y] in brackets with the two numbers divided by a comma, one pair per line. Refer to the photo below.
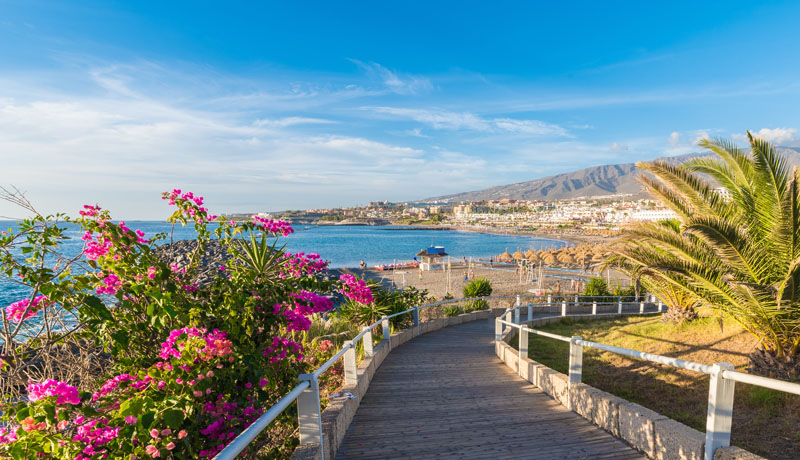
[549,259]
[518,255]
[504,256]
[529,253]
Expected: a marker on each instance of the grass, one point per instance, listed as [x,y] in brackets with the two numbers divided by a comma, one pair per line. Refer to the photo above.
[765,421]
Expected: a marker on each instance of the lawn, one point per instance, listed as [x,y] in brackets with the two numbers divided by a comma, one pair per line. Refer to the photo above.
[765,422]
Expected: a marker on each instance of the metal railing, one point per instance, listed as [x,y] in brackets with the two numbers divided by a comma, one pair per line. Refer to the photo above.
[306,393]
[720,393]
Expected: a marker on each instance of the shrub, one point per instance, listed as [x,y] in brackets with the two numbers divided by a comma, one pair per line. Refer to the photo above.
[479,287]
[453,310]
[596,287]
[197,352]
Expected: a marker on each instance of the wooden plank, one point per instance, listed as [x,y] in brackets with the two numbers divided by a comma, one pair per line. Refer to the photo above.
[446,395]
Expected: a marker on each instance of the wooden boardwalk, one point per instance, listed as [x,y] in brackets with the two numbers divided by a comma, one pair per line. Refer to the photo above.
[446,395]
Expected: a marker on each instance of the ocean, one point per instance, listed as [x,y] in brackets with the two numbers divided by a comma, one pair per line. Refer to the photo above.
[343,246]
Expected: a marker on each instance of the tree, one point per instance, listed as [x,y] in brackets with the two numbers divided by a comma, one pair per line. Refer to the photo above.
[736,252]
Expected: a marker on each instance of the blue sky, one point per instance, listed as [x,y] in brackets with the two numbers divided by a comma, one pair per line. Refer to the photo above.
[298,105]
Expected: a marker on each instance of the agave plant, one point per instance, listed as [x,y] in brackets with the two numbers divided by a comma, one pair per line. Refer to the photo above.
[736,252]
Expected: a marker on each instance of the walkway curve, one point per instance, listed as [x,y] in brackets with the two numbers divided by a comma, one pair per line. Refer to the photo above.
[446,395]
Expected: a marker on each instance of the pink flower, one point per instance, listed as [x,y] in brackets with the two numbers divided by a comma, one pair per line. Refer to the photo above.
[152,451]
[210,374]
[65,394]
[197,393]
[130,419]
[17,311]
[182,434]
[166,432]
[151,272]
[170,446]
[263,382]
[153,433]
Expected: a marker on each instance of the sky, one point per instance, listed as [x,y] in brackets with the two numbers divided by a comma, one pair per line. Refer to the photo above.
[263,106]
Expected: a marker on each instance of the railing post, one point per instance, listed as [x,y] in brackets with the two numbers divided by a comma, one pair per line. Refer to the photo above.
[594,307]
[619,305]
[523,349]
[549,300]
[508,318]
[416,319]
[518,303]
[386,331]
[530,312]
[641,307]
[368,351]
[350,367]
[575,360]
[576,300]
[660,306]
[516,314]
[563,308]
[309,417]
[498,330]
[720,410]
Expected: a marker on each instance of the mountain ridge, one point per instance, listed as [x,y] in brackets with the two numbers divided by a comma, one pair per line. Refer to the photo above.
[611,179]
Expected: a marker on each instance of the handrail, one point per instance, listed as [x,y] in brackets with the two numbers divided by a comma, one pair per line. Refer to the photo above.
[723,376]
[245,437]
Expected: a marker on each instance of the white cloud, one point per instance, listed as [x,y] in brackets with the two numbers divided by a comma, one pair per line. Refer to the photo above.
[448,120]
[393,81]
[777,135]
[291,121]
[617,147]
[674,138]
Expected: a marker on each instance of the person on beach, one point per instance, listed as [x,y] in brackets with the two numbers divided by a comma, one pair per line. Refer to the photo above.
[363,265]
[466,275]
[420,274]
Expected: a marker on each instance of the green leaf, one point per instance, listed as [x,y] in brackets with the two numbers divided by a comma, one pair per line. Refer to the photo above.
[23,413]
[173,418]
[98,308]
[130,407]
[50,412]
[147,419]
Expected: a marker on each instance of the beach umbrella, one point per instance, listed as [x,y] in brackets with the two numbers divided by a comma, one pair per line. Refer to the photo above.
[518,255]
[549,259]
[533,257]
[504,256]
[529,253]
[568,259]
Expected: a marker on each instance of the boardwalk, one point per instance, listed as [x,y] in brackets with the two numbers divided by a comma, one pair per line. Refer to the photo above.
[446,395]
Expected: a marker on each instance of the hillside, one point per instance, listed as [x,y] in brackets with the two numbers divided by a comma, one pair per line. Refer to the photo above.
[588,182]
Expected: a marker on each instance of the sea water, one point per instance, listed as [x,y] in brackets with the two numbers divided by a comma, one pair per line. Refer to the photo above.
[343,246]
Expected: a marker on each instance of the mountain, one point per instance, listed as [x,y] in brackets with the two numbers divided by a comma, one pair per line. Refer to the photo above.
[588,182]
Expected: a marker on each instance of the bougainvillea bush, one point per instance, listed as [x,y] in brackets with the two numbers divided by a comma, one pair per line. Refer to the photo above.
[193,358]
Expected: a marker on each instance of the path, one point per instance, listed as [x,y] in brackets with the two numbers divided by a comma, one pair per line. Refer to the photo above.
[446,395]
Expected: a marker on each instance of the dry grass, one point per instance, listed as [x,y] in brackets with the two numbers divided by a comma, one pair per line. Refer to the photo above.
[765,422]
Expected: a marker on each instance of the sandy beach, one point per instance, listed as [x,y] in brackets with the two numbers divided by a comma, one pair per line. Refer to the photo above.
[505,280]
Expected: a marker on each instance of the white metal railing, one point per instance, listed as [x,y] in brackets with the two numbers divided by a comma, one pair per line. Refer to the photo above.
[306,393]
[720,394]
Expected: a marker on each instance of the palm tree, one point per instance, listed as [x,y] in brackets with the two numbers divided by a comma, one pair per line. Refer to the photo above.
[634,255]
[736,252]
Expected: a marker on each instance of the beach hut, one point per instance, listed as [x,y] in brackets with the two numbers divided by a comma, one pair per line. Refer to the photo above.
[431,256]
